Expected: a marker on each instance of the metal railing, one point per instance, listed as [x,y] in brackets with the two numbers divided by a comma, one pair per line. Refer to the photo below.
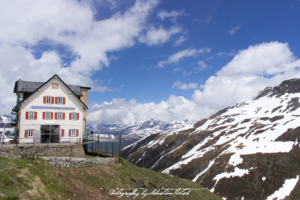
[47,141]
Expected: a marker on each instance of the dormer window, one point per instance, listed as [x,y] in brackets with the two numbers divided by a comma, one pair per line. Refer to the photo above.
[54,85]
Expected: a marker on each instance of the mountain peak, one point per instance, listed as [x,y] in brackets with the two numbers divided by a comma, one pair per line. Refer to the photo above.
[288,86]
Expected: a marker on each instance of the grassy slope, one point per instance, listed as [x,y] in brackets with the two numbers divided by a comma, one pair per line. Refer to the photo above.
[36,179]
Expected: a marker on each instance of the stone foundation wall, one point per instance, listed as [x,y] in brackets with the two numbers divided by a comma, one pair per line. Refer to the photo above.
[78,162]
[59,151]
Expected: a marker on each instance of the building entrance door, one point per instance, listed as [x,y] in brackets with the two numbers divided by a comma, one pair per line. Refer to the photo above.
[50,133]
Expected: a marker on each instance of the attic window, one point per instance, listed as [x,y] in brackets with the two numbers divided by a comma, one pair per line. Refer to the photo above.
[54,85]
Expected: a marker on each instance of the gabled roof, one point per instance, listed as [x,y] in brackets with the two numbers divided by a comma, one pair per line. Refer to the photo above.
[27,86]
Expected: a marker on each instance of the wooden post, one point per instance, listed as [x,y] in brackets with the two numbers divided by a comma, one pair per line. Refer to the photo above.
[34,142]
[59,141]
[69,142]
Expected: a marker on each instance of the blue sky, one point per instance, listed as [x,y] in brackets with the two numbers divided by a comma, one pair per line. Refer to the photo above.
[165,60]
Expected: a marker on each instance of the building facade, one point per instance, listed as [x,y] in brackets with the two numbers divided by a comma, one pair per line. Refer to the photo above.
[50,112]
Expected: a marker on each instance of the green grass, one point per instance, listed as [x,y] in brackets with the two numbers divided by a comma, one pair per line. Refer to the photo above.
[36,179]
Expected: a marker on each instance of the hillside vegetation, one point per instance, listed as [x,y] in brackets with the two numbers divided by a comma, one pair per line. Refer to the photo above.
[36,179]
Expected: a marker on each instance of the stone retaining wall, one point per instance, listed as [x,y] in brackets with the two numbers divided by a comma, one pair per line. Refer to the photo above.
[78,162]
[10,155]
[59,151]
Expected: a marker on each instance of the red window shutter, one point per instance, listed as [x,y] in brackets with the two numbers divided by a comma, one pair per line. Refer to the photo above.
[55,100]
[52,100]
[62,132]
[70,132]
[77,132]
[64,100]
[26,133]
[51,115]
[44,99]
[35,115]
[63,115]
[44,115]
[55,115]
[26,115]
[77,116]
[70,116]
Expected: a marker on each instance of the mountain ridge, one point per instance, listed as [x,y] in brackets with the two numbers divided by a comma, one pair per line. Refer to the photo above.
[221,152]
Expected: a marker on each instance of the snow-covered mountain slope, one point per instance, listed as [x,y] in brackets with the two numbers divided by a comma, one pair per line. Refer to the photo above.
[139,130]
[245,151]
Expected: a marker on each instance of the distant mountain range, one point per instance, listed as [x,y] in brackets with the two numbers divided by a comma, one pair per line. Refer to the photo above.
[139,130]
[246,151]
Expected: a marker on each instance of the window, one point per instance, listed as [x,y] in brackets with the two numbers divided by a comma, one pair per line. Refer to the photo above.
[74,115]
[60,100]
[73,132]
[54,85]
[48,115]
[48,99]
[59,115]
[30,132]
[31,115]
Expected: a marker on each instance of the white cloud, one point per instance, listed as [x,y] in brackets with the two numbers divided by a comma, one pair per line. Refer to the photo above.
[244,76]
[158,36]
[180,55]
[69,23]
[195,70]
[173,14]
[180,40]
[229,86]
[177,69]
[223,53]
[232,31]
[208,19]
[128,112]
[178,84]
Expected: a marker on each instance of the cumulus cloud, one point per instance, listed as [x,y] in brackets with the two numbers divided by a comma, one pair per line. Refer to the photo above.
[250,71]
[232,31]
[182,54]
[178,84]
[128,112]
[158,36]
[67,23]
[230,85]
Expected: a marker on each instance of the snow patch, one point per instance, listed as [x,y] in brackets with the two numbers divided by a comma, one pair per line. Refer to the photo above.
[285,190]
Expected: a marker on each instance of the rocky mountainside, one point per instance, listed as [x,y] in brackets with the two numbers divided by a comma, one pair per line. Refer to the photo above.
[245,151]
[139,130]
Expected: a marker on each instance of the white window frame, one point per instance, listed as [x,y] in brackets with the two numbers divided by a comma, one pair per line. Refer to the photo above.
[59,115]
[31,115]
[48,99]
[47,115]
[60,100]
[74,114]
[73,132]
[30,133]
